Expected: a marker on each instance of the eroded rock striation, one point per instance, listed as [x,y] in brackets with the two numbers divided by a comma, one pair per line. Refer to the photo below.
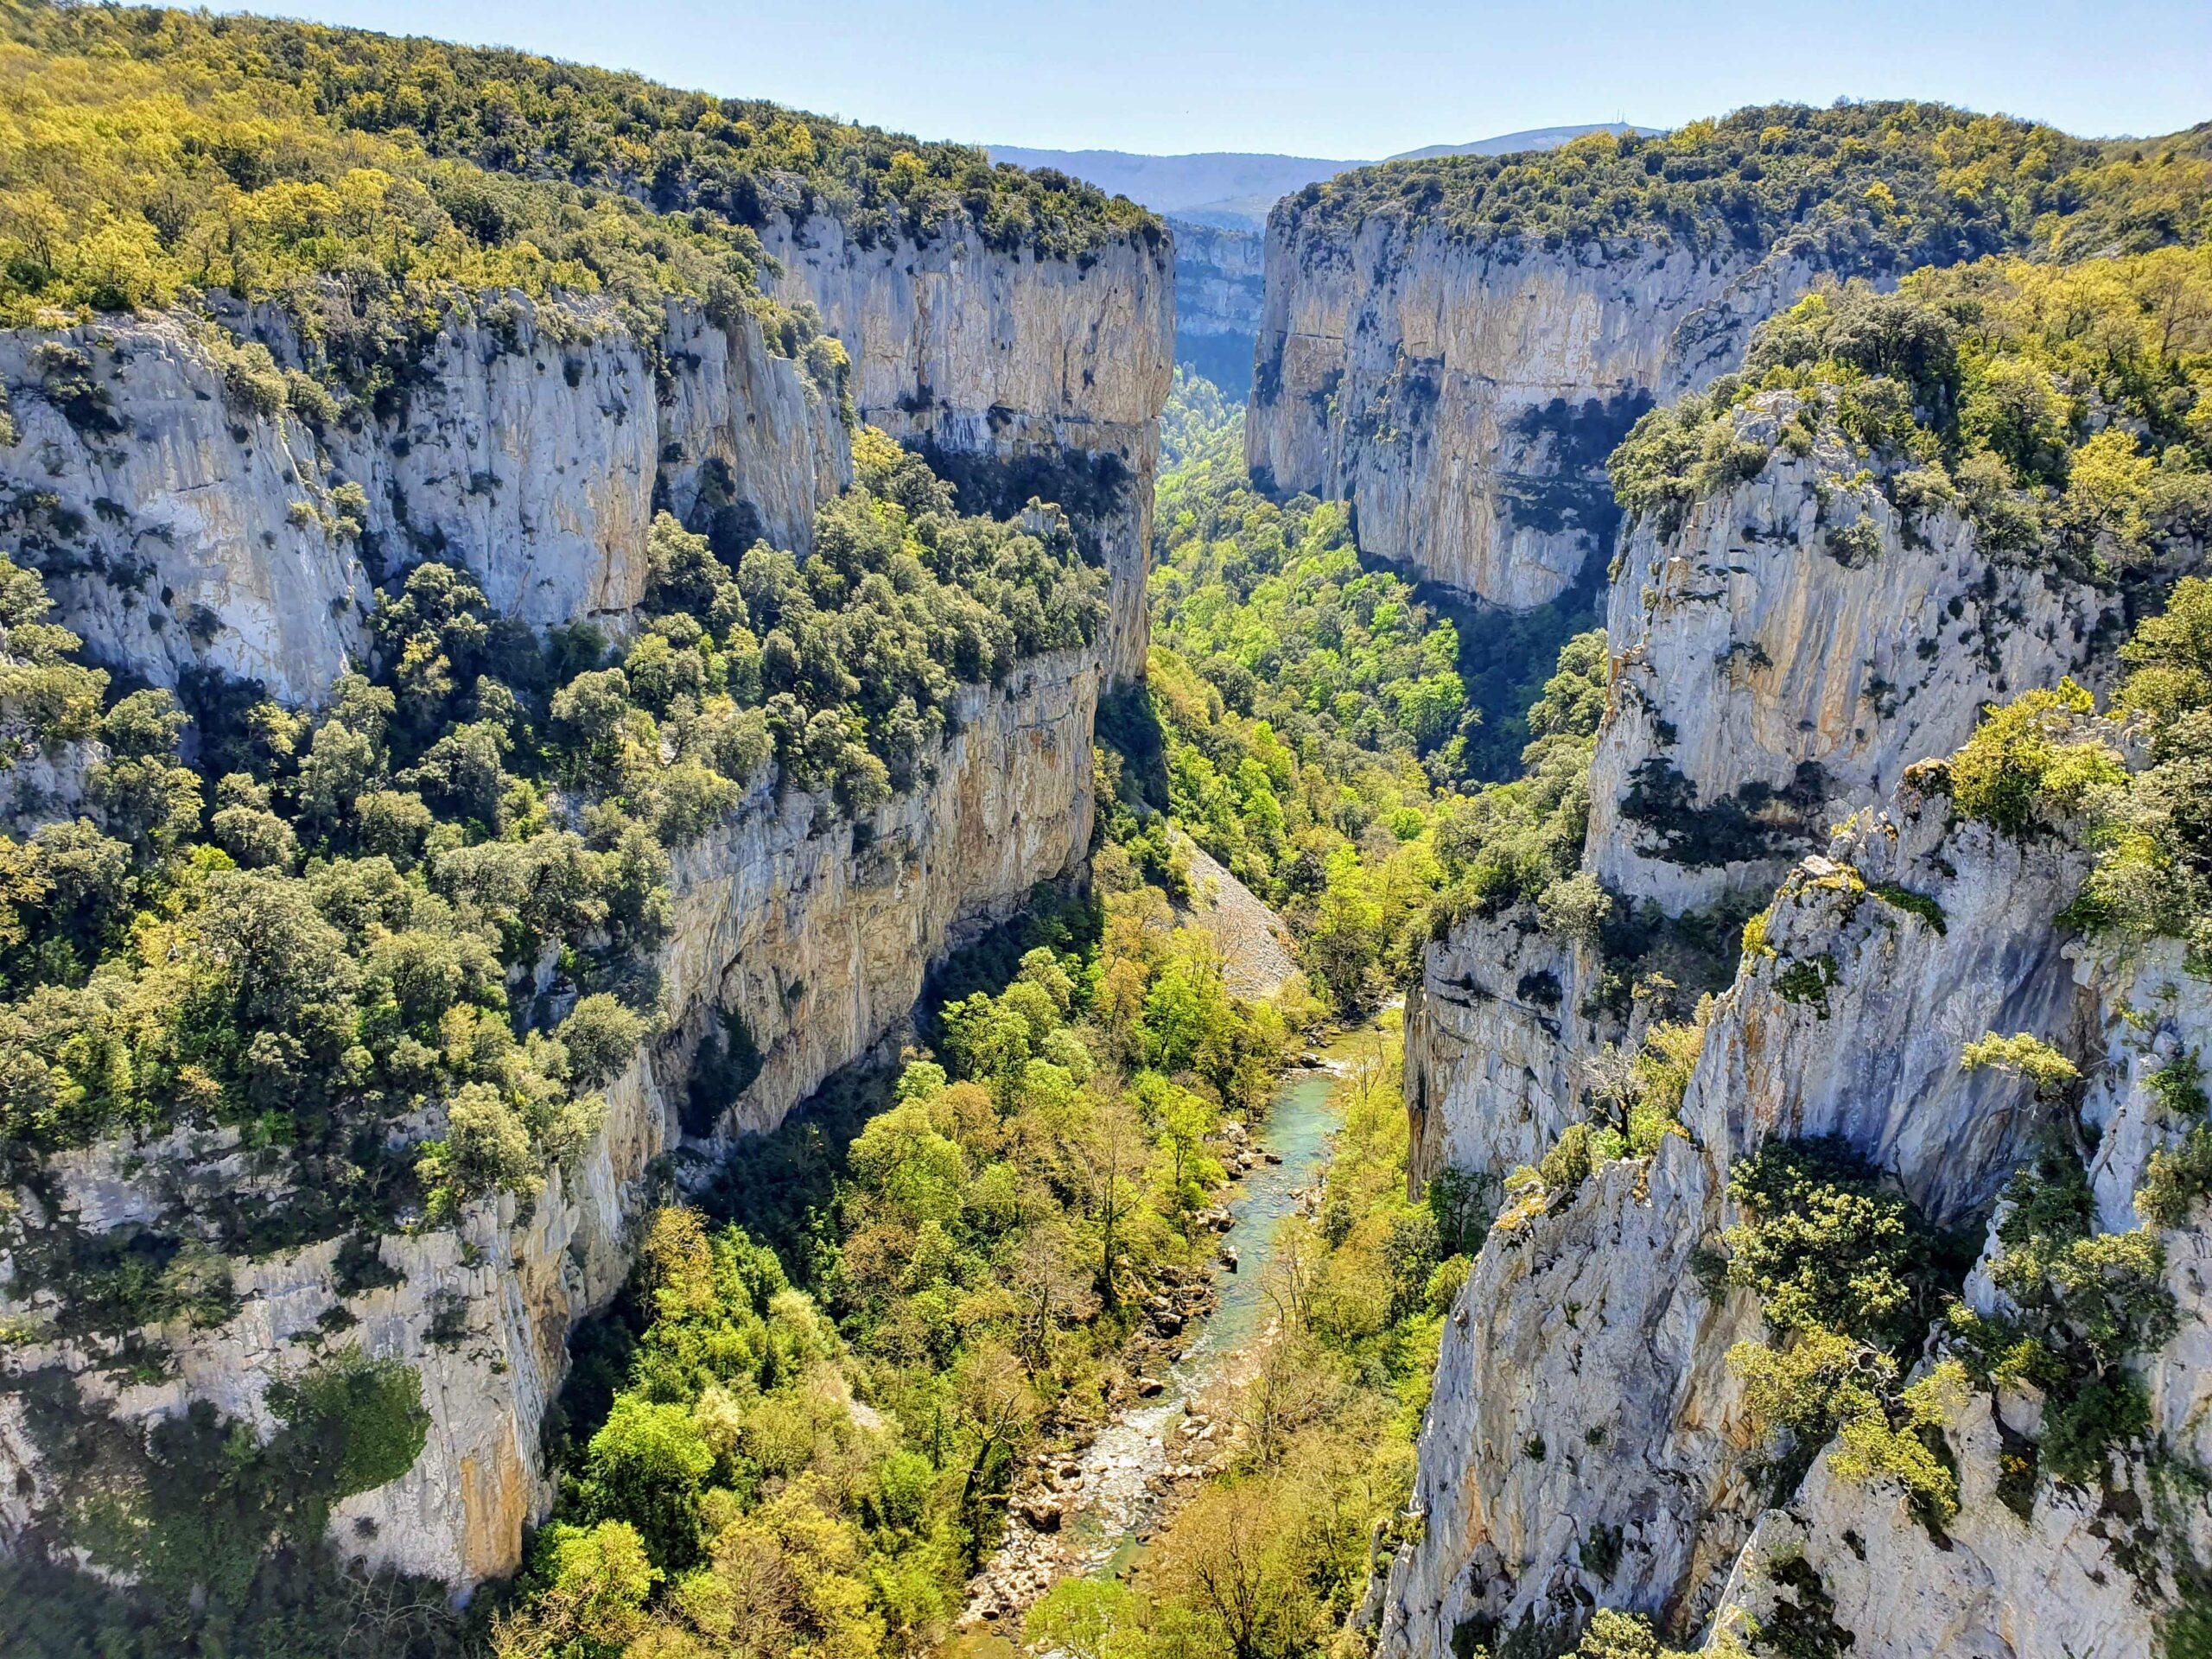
[1789,646]
[1463,396]
[811,930]
[1017,376]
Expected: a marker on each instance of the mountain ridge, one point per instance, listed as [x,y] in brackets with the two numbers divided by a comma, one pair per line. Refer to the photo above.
[1233,190]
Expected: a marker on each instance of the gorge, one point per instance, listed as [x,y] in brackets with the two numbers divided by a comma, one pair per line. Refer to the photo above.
[681,778]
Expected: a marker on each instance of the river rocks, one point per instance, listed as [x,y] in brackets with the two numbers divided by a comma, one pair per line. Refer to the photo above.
[1038,1513]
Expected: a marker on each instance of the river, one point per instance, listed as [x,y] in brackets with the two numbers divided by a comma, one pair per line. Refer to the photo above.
[1115,1498]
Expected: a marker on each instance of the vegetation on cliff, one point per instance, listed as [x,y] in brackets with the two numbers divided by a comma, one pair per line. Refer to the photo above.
[1320,733]
[365,184]
[816,1466]
[390,952]
[1870,188]
[2066,409]
[734,162]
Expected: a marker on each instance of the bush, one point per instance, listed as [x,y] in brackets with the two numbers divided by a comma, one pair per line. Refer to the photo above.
[1823,1245]
[2027,769]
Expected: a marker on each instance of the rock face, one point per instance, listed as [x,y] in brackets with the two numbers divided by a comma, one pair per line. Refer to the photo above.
[2076,1571]
[1879,962]
[189,521]
[814,935]
[1784,654]
[1016,376]
[1464,396]
[1493,1030]
[182,527]
[1582,1439]
[1587,1318]
[1220,293]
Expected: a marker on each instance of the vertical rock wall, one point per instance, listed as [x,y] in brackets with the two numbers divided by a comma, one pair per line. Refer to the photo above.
[1017,376]
[1463,395]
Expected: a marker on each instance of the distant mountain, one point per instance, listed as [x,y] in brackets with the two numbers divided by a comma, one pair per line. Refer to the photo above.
[1173,184]
[1233,191]
[1506,143]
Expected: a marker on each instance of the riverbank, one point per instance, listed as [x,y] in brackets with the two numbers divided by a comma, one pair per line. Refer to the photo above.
[1088,1509]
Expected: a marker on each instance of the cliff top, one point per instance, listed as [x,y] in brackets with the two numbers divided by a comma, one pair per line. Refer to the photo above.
[1872,186]
[2062,407]
[144,152]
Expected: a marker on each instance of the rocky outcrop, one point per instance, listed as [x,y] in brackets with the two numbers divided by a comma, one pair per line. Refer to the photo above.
[1258,953]
[1220,293]
[1017,376]
[811,930]
[1875,966]
[1463,394]
[1494,1028]
[2047,1570]
[186,518]
[1583,1445]
[1583,1441]
[1784,653]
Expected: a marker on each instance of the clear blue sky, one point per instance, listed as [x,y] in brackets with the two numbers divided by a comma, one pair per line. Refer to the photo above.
[1356,81]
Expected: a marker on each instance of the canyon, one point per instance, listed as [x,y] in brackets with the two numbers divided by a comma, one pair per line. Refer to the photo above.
[1860,839]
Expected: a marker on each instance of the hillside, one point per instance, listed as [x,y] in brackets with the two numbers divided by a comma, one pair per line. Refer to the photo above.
[529,633]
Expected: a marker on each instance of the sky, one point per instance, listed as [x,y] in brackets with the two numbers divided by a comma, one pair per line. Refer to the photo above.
[1355,81]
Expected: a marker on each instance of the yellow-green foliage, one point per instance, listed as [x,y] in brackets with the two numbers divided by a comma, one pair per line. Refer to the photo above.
[1317,724]
[1880,186]
[144,154]
[1272,1556]
[998,1225]
[1840,1266]
[2085,1302]
[47,700]
[2034,763]
[2148,839]
[2062,407]
[2024,1055]
[1307,707]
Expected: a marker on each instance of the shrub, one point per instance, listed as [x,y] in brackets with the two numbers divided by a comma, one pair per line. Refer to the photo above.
[2026,768]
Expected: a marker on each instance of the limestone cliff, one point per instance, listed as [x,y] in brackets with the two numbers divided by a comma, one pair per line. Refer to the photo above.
[1585,1329]
[811,930]
[1463,395]
[1017,376]
[195,511]
[1220,292]
[189,518]
[1784,651]
[2056,1569]
[1493,1029]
